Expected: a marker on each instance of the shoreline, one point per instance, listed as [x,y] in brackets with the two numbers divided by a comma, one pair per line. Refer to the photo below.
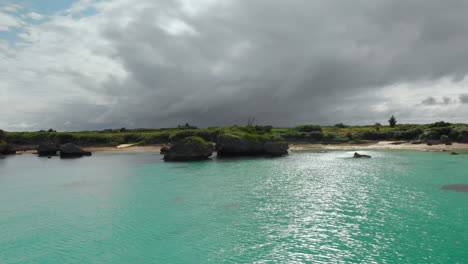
[382,145]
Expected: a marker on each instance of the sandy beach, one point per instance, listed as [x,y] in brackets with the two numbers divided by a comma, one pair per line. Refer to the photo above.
[125,147]
[383,145]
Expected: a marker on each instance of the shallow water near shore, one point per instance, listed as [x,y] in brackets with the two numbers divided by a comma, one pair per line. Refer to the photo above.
[308,207]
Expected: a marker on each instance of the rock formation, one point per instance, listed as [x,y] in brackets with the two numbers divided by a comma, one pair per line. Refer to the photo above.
[358,156]
[230,144]
[188,149]
[456,187]
[47,150]
[7,149]
[70,150]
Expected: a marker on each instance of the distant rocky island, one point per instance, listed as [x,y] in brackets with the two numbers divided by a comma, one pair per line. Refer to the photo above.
[187,142]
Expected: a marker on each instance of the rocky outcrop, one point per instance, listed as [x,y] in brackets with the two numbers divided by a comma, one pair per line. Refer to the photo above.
[7,149]
[164,149]
[234,145]
[454,153]
[249,145]
[276,149]
[188,149]
[70,150]
[358,156]
[456,187]
[433,142]
[47,150]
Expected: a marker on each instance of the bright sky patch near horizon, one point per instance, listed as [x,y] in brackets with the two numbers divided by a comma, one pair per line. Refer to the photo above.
[94,64]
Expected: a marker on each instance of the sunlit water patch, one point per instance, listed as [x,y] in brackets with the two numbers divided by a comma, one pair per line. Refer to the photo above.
[308,207]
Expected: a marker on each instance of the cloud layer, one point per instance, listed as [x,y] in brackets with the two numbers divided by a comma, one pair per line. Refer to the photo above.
[161,63]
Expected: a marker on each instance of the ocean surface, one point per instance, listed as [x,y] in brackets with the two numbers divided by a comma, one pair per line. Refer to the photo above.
[309,207]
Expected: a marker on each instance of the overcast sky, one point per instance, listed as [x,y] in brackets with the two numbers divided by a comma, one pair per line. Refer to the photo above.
[78,65]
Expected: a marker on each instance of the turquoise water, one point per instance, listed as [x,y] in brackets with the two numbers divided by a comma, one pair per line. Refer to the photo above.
[305,208]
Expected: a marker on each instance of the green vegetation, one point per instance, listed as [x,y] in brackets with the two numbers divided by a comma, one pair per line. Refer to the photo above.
[252,134]
[339,133]
[194,140]
[309,128]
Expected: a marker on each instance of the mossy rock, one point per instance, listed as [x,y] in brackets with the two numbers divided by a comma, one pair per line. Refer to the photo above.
[47,150]
[7,149]
[189,149]
[230,144]
[70,150]
[276,149]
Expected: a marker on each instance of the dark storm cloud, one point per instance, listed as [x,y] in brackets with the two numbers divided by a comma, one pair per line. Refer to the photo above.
[284,62]
[429,101]
[463,98]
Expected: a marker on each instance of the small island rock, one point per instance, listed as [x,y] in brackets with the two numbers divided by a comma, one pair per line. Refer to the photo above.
[188,149]
[358,156]
[163,149]
[70,150]
[47,150]
[276,148]
[7,149]
[234,145]
[456,187]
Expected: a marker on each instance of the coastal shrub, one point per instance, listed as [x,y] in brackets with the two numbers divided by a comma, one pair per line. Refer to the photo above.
[340,125]
[29,138]
[442,130]
[132,138]
[159,138]
[196,140]
[248,129]
[178,136]
[459,134]
[250,137]
[295,136]
[63,138]
[430,134]
[208,134]
[263,129]
[409,134]
[374,135]
[315,136]
[334,138]
[339,138]
[404,127]
[96,139]
[445,139]
[328,137]
[186,126]
[308,128]
[439,124]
